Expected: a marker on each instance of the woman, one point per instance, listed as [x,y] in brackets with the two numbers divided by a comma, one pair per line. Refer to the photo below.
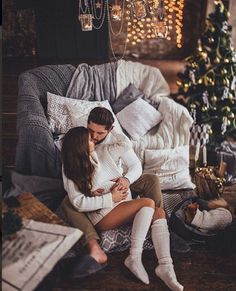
[83,174]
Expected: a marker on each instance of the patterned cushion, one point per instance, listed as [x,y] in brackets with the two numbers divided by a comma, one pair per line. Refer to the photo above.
[64,113]
[118,240]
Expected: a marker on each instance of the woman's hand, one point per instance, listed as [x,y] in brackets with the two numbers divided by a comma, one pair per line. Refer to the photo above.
[119,193]
[97,192]
[122,182]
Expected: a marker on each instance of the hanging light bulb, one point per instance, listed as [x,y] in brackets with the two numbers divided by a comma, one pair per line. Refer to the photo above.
[160,28]
[139,8]
[86,22]
[116,12]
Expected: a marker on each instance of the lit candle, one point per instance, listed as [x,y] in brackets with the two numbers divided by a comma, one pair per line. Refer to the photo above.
[197,151]
[204,155]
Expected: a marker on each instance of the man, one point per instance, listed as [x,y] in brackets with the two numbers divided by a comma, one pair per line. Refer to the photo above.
[100,124]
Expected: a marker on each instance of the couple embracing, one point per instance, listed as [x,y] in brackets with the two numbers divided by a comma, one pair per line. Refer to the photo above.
[99,194]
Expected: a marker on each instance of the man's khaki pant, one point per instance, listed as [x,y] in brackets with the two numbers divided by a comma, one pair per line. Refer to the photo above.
[147,185]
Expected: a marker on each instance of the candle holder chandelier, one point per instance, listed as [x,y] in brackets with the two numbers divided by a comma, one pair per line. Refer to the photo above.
[137,20]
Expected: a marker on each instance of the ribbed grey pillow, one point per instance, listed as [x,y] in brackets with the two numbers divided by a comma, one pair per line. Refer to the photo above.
[130,94]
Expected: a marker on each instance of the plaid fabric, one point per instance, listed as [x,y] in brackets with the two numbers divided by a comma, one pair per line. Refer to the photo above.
[199,134]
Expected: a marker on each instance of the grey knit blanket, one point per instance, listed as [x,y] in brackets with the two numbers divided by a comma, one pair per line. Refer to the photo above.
[36,153]
[94,83]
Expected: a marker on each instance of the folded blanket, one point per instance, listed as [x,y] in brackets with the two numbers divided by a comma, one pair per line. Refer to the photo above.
[94,83]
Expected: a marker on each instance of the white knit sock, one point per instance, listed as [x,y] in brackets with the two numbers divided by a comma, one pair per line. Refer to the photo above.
[141,224]
[161,241]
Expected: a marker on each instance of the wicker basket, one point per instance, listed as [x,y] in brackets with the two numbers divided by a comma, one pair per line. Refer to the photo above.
[209,185]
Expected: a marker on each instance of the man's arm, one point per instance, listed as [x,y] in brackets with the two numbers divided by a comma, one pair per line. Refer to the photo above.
[133,164]
[120,147]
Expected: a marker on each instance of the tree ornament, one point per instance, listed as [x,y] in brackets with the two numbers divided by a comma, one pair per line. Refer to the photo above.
[204,108]
[220,5]
[179,83]
[209,131]
[212,28]
[205,99]
[214,99]
[186,86]
[211,40]
[225,27]
[224,71]
[200,81]
[226,82]
[192,76]
[204,55]
[199,47]
[231,116]
[193,112]
[233,85]
[226,109]
[230,97]
[224,125]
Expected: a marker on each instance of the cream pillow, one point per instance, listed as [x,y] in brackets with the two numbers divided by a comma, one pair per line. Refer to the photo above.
[171,165]
[64,113]
[138,118]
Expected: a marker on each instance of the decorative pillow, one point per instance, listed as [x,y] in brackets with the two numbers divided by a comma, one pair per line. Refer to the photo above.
[64,113]
[119,239]
[138,118]
[130,94]
[171,165]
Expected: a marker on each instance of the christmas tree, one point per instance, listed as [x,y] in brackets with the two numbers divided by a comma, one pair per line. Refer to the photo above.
[207,87]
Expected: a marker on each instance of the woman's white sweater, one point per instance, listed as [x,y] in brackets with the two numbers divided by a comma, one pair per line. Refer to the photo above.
[107,162]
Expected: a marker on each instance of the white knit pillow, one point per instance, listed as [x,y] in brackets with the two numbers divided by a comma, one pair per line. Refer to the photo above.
[138,118]
[171,165]
[64,113]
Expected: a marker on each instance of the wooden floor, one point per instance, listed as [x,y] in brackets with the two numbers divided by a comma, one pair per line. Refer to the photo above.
[199,270]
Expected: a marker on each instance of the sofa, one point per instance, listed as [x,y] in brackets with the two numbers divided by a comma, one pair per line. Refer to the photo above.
[54,98]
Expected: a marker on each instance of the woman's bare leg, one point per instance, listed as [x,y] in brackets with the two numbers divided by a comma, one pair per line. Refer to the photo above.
[123,213]
[141,212]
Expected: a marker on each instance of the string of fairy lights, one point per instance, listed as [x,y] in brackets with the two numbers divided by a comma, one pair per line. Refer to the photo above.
[138,20]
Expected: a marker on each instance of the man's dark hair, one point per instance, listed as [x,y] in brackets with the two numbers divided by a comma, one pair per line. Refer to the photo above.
[101,116]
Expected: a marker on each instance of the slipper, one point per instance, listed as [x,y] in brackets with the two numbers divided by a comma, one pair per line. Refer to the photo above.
[86,266]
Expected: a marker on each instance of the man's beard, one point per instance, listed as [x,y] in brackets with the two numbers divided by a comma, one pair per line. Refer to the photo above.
[99,141]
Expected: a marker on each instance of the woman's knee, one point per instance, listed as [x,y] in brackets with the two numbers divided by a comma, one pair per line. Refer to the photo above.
[159,213]
[147,202]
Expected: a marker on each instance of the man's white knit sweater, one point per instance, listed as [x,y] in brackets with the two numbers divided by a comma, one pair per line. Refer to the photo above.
[107,160]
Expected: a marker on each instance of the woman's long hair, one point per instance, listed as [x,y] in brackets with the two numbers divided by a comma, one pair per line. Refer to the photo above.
[75,158]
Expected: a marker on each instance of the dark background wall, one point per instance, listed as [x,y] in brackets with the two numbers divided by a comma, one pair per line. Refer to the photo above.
[50,29]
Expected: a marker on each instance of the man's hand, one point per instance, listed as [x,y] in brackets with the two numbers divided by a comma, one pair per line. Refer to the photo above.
[121,182]
[97,192]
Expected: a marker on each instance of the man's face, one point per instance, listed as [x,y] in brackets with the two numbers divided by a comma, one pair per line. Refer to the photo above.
[98,132]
